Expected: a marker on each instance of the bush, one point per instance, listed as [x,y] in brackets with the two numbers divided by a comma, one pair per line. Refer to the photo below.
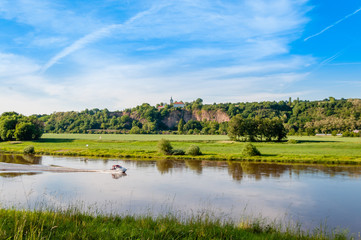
[194,150]
[164,147]
[292,141]
[29,150]
[250,150]
[350,134]
[178,152]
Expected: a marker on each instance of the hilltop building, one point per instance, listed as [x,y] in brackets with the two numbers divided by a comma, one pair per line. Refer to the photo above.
[175,104]
[179,104]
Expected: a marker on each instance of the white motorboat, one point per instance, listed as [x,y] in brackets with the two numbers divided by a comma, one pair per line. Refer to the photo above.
[118,168]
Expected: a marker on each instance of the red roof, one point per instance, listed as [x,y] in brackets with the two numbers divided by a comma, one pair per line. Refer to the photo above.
[178,103]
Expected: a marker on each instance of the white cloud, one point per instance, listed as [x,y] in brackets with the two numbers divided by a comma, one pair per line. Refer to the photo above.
[49,42]
[13,65]
[94,36]
[47,16]
[216,50]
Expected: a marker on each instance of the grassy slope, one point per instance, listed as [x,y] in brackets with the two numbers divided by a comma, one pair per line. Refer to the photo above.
[21,224]
[325,149]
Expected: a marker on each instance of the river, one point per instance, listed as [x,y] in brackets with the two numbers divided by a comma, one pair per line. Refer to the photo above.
[312,195]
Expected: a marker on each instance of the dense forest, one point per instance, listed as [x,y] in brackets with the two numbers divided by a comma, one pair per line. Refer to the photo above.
[329,116]
[298,116]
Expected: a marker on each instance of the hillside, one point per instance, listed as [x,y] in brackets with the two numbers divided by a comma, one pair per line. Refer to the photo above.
[303,117]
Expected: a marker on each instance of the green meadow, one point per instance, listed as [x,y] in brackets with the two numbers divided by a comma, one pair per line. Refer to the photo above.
[315,149]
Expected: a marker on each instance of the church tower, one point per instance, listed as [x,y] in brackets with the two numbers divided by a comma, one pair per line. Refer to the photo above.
[171,100]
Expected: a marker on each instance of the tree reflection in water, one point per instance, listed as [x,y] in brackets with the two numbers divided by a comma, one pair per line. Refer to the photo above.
[194,165]
[258,171]
[17,174]
[20,159]
[237,170]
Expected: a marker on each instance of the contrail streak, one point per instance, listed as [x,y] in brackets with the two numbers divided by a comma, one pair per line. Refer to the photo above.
[94,36]
[332,25]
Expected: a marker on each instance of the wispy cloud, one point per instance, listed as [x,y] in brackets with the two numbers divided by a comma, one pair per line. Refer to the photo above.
[101,33]
[216,50]
[94,36]
[332,25]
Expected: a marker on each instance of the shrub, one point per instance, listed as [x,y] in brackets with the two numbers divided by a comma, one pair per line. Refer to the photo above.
[194,150]
[164,147]
[178,152]
[350,134]
[292,141]
[250,150]
[29,150]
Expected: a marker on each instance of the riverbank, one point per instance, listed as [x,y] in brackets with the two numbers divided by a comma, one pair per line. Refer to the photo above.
[316,149]
[70,224]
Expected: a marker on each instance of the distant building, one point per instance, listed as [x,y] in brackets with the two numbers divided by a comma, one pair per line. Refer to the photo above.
[171,102]
[179,104]
[356,131]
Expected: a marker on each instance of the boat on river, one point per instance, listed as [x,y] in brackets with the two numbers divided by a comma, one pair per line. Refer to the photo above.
[118,169]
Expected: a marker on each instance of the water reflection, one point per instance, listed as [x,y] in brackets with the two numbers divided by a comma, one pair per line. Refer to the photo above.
[17,174]
[20,159]
[194,165]
[167,166]
[306,193]
[237,170]
[257,171]
[118,175]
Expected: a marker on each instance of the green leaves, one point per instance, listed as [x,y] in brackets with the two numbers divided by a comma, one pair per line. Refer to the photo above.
[20,127]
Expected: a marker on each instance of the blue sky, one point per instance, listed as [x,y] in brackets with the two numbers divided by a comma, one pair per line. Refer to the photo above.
[62,55]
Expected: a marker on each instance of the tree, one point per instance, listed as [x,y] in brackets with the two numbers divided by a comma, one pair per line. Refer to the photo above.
[256,129]
[7,128]
[236,128]
[194,150]
[250,150]
[15,126]
[180,126]
[193,124]
[24,131]
[164,147]
[279,130]
[135,130]
[197,104]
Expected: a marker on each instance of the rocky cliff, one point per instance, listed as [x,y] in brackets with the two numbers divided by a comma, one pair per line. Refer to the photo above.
[199,115]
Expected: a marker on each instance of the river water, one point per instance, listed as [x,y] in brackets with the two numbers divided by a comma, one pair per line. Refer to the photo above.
[312,195]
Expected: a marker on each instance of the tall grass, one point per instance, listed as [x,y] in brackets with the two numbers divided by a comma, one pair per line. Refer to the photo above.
[72,224]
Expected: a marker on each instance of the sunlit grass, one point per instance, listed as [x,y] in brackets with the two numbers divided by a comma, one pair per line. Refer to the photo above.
[136,137]
[73,224]
[324,149]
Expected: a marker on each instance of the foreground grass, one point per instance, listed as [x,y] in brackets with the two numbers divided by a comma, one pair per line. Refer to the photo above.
[22,224]
[325,149]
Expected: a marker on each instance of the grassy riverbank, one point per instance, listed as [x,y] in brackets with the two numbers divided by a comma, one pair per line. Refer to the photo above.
[22,224]
[317,149]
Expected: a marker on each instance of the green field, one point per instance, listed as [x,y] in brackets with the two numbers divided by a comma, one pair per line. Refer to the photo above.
[316,149]
[136,137]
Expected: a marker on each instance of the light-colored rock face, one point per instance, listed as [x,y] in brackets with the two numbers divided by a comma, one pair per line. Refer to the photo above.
[200,115]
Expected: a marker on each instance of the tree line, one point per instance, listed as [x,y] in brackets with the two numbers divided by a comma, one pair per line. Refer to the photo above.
[299,117]
[257,129]
[14,126]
